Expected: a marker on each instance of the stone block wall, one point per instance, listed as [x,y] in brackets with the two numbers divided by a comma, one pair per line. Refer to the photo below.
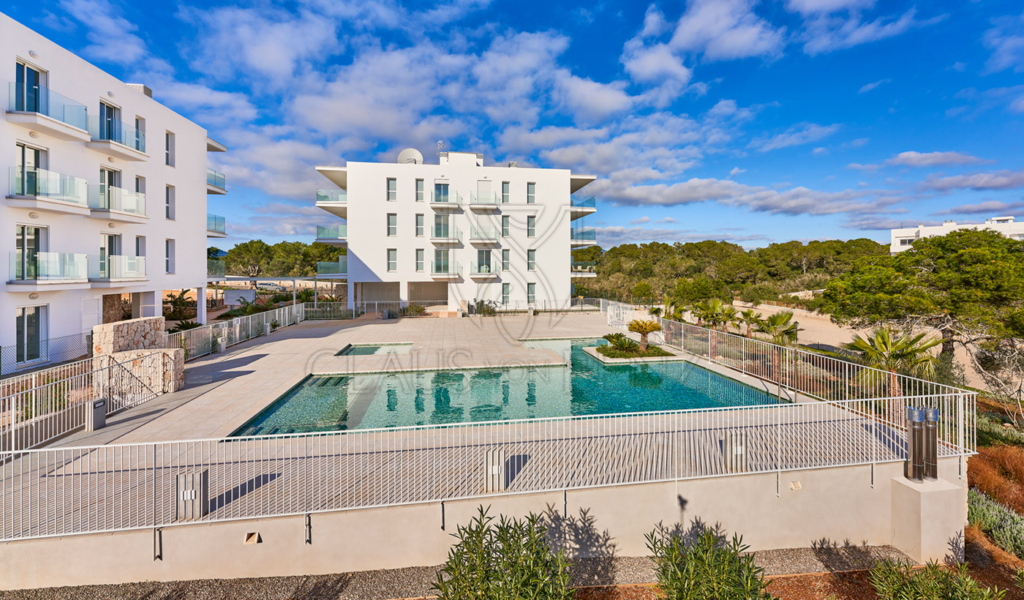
[135,334]
[160,370]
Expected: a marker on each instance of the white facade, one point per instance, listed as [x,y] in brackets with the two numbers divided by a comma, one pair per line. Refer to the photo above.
[457,232]
[105,194]
[902,239]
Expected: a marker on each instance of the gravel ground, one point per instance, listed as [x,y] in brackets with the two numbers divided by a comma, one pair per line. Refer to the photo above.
[416,582]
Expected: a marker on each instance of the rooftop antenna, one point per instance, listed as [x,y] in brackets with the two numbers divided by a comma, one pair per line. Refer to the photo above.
[440,147]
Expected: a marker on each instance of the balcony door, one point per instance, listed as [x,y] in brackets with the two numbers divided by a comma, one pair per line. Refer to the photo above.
[29,327]
[440,261]
[110,245]
[28,95]
[440,192]
[483,261]
[441,226]
[109,179]
[26,170]
[27,245]
[110,122]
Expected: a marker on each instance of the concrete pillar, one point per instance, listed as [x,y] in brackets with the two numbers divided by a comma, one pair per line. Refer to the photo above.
[136,305]
[927,517]
[201,305]
[350,291]
[152,303]
[403,292]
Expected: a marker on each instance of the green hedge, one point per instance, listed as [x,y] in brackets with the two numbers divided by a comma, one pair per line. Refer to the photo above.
[1005,526]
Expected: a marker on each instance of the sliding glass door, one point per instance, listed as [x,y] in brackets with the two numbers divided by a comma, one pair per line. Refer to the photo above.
[29,329]
[27,242]
[27,96]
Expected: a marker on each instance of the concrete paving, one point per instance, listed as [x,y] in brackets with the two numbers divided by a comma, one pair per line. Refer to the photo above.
[223,391]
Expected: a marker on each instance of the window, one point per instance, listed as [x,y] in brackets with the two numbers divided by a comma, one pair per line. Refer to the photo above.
[441,227]
[28,89]
[419,225]
[419,190]
[531,292]
[139,137]
[110,195]
[169,149]
[169,202]
[28,162]
[110,122]
[504,192]
[531,193]
[392,224]
[140,245]
[441,263]
[483,261]
[440,192]
[531,226]
[169,256]
[140,185]
[392,260]
[28,243]
[392,189]
[505,225]
[419,260]
[906,242]
[505,260]
[29,330]
[506,289]
[531,260]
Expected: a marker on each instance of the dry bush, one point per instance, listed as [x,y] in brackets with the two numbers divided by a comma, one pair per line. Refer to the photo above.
[999,472]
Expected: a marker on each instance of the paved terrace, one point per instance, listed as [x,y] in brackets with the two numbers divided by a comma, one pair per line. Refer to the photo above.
[223,391]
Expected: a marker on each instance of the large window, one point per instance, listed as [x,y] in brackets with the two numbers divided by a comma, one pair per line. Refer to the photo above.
[531,193]
[531,260]
[30,324]
[440,192]
[28,93]
[26,170]
[505,225]
[440,227]
[110,198]
[506,290]
[392,259]
[392,224]
[483,261]
[531,226]
[110,122]
[505,260]
[28,242]
[504,192]
[419,190]
[531,292]
[419,260]
[419,225]
[441,264]
[392,189]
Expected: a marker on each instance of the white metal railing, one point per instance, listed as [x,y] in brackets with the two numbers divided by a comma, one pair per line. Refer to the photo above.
[202,340]
[132,486]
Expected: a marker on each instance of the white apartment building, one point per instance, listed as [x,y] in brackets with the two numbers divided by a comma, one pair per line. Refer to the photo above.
[902,239]
[105,195]
[456,232]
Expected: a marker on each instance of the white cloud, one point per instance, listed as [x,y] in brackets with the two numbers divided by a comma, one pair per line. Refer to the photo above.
[111,36]
[933,159]
[646,64]
[726,30]
[616,235]
[736,171]
[811,7]
[640,221]
[1006,41]
[522,140]
[827,33]
[988,207]
[591,101]
[803,133]
[875,223]
[998,180]
[867,87]
[820,151]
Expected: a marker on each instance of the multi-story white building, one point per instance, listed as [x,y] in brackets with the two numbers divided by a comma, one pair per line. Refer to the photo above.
[105,195]
[456,232]
[902,239]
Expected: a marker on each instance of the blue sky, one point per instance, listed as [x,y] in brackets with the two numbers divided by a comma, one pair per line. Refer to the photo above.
[737,120]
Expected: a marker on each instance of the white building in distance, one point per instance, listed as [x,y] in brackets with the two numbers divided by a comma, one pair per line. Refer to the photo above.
[105,199]
[456,232]
[902,239]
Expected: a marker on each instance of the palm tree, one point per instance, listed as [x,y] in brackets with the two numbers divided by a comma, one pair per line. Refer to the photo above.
[781,328]
[644,327]
[750,318]
[655,311]
[894,352]
[729,316]
[708,312]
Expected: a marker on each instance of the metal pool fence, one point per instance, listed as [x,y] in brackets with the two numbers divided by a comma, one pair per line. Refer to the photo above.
[56,350]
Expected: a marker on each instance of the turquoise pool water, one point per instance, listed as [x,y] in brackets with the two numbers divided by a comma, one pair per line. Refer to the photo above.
[588,387]
[368,350]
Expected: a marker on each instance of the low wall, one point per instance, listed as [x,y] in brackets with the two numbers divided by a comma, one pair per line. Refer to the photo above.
[861,504]
[135,334]
[162,376]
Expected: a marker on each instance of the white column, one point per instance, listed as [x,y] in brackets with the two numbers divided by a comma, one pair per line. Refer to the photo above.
[350,291]
[152,303]
[201,305]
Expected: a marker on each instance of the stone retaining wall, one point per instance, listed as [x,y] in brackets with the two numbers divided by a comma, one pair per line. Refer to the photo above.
[135,334]
[160,370]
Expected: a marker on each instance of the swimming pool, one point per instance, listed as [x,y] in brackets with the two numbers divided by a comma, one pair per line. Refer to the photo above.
[587,387]
[374,349]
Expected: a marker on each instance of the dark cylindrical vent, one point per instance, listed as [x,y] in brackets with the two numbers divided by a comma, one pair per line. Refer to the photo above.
[914,467]
[931,443]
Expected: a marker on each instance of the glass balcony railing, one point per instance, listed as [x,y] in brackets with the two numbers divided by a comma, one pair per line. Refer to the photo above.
[484,268]
[37,99]
[483,233]
[117,267]
[333,232]
[590,202]
[118,132]
[333,268]
[440,267]
[484,199]
[584,266]
[40,183]
[48,266]
[453,198]
[215,223]
[331,196]
[445,233]
[216,179]
[584,234]
[215,267]
[106,197]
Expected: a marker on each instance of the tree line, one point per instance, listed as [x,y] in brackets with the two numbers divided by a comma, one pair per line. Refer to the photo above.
[256,258]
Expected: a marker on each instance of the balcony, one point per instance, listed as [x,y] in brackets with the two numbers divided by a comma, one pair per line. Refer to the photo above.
[39,109]
[215,226]
[216,268]
[581,207]
[335,235]
[216,183]
[39,189]
[584,268]
[483,235]
[117,139]
[47,271]
[115,271]
[333,201]
[484,271]
[445,270]
[445,235]
[446,201]
[333,269]
[583,236]
[117,204]
[484,202]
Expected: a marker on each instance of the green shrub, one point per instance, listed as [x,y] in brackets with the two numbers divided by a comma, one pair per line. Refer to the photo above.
[625,344]
[706,567]
[613,337]
[486,308]
[991,432]
[651,351]
[896,581]
[507,561]
[413,310]
[1005,526]
[184,326]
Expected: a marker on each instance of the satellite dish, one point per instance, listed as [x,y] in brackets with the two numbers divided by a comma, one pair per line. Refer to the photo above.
[410,156]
